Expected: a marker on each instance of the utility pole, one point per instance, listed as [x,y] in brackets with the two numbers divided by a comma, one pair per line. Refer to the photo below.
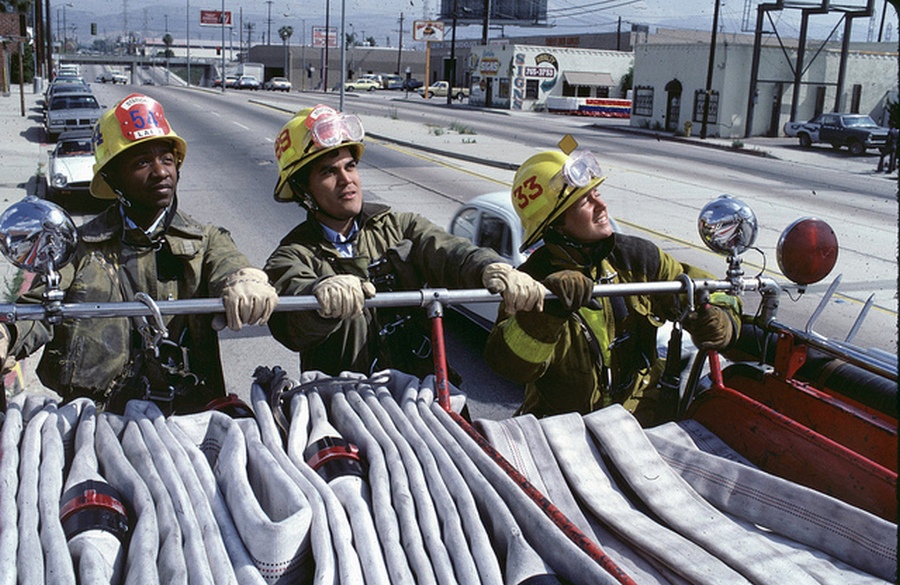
[709,71]
[269,23]
[327,43]
[187,41]
[452,80]
[400,44]
[486,23]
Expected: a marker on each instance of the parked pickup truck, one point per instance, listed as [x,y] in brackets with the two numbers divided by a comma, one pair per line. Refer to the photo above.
[857,132]
[112,77]
[440,89]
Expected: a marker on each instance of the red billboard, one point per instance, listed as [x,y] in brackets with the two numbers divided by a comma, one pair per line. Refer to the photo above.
[214,18]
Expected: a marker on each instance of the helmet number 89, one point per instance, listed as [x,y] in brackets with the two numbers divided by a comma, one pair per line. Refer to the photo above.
[528,191]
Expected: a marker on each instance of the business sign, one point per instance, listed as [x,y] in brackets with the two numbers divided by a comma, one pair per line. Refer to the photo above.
[428,30]
[319,36]
[489,66]
[215,18]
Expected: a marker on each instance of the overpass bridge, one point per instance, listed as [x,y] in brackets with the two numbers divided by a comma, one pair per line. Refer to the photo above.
[131,64]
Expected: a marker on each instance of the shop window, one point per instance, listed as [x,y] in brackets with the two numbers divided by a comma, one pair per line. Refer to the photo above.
[503,90]
[699,99]
[642,104]
[602,91]
[532,87]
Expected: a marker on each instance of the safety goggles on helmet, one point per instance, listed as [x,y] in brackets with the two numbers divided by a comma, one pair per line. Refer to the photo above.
[330,130]
[311,133]
[581,168]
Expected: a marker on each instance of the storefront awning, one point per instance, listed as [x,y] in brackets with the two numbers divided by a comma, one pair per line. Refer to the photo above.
[588,78]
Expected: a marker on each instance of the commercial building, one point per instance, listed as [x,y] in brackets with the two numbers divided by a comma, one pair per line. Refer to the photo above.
[527,77]
[670,73]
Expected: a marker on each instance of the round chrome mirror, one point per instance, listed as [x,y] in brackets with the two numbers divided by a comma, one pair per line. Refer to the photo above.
[727,226]
[37,236]
[807,250]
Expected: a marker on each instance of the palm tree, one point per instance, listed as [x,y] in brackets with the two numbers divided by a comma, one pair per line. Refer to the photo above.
[168,41]
[285,33]
[20,6]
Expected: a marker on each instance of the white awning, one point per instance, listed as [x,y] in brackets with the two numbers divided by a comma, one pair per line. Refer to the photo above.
[589,78]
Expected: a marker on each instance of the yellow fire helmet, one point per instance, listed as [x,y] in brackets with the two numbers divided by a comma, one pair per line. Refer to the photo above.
[311,133]
[547,184]
[134,120]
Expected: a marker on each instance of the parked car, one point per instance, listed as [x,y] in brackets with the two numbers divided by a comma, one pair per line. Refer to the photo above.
[376,77]
[278,84]
[857,132]
[230,81]
[490,221]
[441,88]
[247,82]
[64,89]
[70,167]
[411,84]
[392,82]
[361,85]
[71,112]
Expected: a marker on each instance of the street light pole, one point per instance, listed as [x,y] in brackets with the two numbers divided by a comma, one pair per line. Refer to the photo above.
[222,17]
[452,80]
[188,42]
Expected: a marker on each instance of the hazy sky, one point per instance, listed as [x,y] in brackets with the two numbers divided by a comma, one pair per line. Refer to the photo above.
[380,18]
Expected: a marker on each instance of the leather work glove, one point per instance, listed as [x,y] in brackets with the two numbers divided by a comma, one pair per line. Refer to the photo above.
[519,290]
[342,296]
[573,290]
[711,327]
[249,299]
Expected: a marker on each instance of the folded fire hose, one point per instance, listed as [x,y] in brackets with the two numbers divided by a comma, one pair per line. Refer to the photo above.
[353,479]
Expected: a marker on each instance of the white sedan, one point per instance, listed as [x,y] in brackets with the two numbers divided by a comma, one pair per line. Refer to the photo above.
[70,167]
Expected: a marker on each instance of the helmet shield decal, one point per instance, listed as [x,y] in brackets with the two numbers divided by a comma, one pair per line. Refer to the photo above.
[141,117]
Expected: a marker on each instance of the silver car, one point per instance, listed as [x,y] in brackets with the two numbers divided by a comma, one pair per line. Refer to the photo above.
[71,112]
[489,221]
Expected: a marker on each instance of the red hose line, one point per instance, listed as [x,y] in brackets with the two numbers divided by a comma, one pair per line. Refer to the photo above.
[439,353]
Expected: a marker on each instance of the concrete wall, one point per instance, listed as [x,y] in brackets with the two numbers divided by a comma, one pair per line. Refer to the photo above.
[360,60]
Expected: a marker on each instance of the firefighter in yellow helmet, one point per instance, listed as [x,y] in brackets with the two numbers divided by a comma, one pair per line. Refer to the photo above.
[142,243]
[347,249]
[582,353]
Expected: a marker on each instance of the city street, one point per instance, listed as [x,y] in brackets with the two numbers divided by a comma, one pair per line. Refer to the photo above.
[428,157]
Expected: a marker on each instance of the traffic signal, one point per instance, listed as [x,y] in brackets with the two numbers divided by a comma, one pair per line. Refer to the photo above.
[218,50]
[93,28]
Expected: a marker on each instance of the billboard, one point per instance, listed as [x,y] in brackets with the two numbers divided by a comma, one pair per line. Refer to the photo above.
[318,36]
[428,30]
[214,18]
[510,12]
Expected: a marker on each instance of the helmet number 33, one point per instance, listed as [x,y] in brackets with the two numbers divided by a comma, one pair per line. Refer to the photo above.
[527,191]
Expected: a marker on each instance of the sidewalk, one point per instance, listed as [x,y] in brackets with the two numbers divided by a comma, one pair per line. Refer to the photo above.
[23,160]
